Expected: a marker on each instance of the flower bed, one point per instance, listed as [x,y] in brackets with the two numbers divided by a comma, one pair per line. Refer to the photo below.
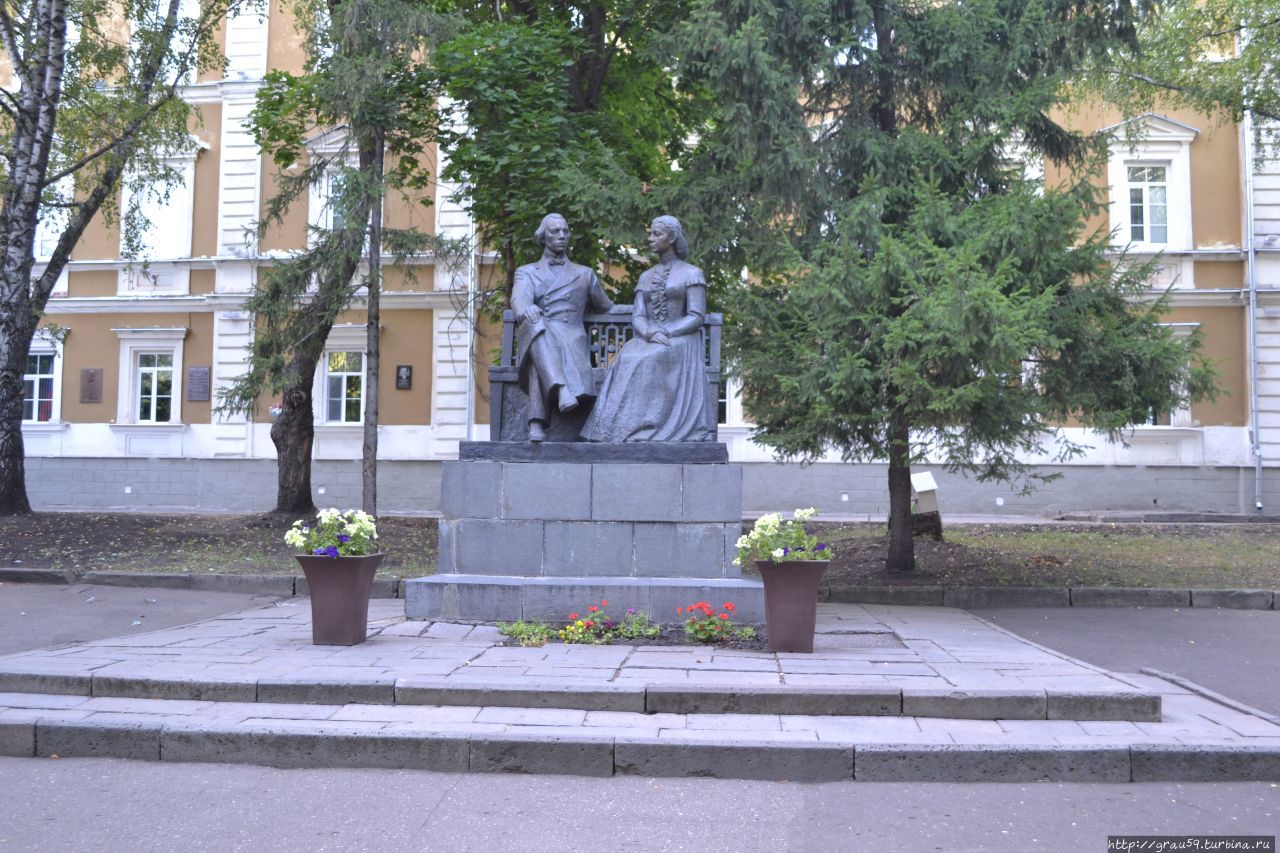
[702,625]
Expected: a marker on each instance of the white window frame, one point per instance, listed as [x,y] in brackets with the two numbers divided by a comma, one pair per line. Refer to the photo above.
[150,400]
[53,221]
[344,337]
[1151,140]
[136,342]
[45,343]
[164,269]
[328,145]
[1179,418]
[1147,205]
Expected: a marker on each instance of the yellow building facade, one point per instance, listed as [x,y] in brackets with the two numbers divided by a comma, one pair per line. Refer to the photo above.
[124,382]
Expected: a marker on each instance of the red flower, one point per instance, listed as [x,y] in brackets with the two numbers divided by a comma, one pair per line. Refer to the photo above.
[679,610]
[592,609]
[589,624]
[728,605]
[573,616]
[604,602]
[724,615]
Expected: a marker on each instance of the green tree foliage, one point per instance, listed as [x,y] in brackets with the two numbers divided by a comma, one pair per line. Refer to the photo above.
[367,85]
[566,107]
[94,98]
[917,297]
[1216,56]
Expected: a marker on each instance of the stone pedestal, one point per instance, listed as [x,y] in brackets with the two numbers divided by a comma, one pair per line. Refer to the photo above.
[540,539]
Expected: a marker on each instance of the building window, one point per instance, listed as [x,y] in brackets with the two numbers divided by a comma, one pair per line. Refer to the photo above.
[150,376]
[155,388]
[42,381]
[1148,204]
[53,217]
[1181,416]
[163,236]
[1149,173]
[37,389]
[344,387]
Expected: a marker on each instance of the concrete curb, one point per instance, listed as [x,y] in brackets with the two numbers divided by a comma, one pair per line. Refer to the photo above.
[354,745]
[1201,690]
[968,598]
[1134,706]
[17,575]
[284,586]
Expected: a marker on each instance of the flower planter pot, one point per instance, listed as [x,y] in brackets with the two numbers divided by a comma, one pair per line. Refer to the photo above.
[791,602]
[339,589]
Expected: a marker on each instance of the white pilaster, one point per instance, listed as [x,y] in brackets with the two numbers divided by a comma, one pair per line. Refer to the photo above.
[239,190]
[247,44]
[232,335]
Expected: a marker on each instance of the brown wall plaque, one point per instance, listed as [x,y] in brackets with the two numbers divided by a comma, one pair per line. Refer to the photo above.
[198,384]
[91,385]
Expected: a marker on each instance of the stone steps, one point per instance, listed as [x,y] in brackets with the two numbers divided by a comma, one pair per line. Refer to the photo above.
[1135,705]
[603,743]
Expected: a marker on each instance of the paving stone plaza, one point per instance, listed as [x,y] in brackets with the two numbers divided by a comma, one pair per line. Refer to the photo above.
[891,693]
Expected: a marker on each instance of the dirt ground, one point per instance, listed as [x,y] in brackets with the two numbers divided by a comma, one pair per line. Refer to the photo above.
[1185,555]
[235,544]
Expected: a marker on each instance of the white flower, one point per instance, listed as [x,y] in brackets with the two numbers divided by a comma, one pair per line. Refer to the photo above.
[778,553]
[804,514]
[296,536]
[737,561]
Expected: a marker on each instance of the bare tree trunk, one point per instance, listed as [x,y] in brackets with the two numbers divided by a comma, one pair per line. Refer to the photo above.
[901,546]
[369,456]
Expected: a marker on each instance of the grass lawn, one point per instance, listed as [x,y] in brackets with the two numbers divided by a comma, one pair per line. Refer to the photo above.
[1145,555]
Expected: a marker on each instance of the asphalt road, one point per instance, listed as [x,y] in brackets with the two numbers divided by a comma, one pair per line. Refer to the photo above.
[35,616]
[113,805]
[1232,652]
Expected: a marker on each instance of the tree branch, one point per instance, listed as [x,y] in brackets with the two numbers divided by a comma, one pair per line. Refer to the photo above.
[10,40]
[1187,90]
[1239,28]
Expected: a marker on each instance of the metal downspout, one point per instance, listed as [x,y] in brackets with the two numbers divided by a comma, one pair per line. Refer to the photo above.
[1251,270]
[471,325]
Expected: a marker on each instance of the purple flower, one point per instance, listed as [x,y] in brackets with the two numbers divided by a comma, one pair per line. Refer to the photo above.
[331,551]
[630,610]
[319,552]
[342,537]
[821,546]
[786,551]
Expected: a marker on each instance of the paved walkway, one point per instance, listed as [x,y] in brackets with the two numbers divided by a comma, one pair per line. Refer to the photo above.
[857,646]
[972,702]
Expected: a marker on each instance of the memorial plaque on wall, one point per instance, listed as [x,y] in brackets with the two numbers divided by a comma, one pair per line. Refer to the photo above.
[198,384]
[404,377]
[91,385]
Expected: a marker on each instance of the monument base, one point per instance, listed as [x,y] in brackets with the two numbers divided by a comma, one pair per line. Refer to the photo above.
[501,598]
[669,452]
[542,531]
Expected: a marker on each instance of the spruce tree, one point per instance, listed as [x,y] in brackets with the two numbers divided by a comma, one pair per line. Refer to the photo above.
[916,295]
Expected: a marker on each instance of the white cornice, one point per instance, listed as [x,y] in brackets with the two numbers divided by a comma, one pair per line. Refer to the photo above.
[1199,298]
[1225,253]
[217,91]
[434,300]
[1155,128]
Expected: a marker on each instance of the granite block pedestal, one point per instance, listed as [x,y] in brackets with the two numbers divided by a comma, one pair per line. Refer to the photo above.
[539,531]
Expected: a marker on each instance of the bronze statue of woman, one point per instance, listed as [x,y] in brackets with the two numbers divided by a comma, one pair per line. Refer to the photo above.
[656,389]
